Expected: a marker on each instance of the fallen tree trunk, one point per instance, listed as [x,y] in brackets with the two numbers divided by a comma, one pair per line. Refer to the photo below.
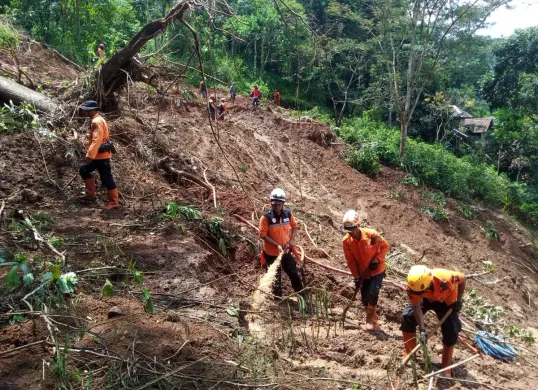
[123,65]
[10,90]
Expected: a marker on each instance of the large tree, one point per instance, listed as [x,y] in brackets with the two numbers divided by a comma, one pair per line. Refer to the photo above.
[414,37]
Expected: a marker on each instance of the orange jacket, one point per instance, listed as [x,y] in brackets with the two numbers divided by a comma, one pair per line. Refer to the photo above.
[98,135]
[359,253]
[277,228]
[445,287]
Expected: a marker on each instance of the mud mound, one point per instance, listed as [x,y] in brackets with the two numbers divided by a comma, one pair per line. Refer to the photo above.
[322,136]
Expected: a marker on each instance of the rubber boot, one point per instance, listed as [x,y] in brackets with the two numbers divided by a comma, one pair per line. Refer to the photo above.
[90,191]
[371,318]
[447,360]
[410,342]
[112,199]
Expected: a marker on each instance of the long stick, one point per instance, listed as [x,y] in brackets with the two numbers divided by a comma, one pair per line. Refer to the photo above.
[341,271]
[412,353]
[451,366]
[213,188]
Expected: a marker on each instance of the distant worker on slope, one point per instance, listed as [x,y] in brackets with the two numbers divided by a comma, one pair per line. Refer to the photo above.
[276,97]
[438,290]
[101,50]
[256,96]
[233,93]
[212,107]
[203,91]
[98,156]
[222,109]
[365,251]
[277,230]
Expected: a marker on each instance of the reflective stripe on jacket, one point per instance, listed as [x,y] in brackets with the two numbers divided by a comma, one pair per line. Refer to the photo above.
[444,289]
[98,135]
[276,228]
[359,253]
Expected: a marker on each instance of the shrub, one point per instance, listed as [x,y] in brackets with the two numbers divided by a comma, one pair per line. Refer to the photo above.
[364,160]
[9,38]
[464,178]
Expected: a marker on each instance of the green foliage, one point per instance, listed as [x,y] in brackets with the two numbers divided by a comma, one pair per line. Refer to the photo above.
[67,282]
[364,160]
[410,180]
[461,178]
[523,334]
[467,211]
[18,118]
[489,266]
[491,232]
[481,310]
[148,302]
[216,227]
[108,289]
[19,264]
[437,213]
[175,211]
[9,37]
[76,28]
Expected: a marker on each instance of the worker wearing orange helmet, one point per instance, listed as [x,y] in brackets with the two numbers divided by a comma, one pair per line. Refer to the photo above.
[277,230]
[365,251]
[276,97]
[438,290]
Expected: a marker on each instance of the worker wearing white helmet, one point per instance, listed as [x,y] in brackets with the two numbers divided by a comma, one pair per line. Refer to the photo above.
[365,251]
[277,230]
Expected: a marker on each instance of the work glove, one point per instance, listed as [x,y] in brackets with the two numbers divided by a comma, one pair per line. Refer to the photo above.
[422,337]
[357,281]
[457,306]
[374,264]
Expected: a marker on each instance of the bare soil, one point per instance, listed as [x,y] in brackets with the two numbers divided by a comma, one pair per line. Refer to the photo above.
[193,284]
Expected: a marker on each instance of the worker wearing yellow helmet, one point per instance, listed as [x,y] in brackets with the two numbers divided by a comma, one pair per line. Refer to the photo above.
[365,251]
[434,289]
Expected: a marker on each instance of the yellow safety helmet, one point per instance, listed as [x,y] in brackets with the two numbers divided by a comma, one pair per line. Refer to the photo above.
[419,278]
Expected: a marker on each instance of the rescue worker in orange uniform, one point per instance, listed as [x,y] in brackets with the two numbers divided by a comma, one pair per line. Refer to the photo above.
[101,50]
[276,97]
[203,90]
[212,107]
[96,157]
[438,290]
[277,230]
[365,251]
[222,109]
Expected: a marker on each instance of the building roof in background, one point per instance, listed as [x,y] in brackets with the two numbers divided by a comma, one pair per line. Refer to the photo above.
[477,125]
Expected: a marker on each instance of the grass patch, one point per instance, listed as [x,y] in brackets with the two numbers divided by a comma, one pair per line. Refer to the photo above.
[9,37]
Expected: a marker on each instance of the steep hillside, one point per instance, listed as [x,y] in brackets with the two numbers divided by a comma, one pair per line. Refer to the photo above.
[198,337]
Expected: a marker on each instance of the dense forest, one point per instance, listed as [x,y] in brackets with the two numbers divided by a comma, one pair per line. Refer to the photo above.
[377,70]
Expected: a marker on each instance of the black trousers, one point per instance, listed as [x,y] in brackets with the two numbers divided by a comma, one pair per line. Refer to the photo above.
[104,169]
[450,328]
[289,265]
[370,289]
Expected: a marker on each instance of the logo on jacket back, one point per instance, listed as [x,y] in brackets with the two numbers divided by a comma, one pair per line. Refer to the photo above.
[286,220]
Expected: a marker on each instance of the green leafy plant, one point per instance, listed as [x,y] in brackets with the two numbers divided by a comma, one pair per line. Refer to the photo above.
[9,38]
[148,302]
[523,334]
[467,211]
[175,211]
[15,118]
[409,179]
[436,213]
[243,168]
[217,230]
[489,266]
[491,232]
[108,289]
[364,160]
[12,278]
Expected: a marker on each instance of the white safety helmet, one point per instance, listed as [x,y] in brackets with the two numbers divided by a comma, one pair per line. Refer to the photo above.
[351,220]
[278,194]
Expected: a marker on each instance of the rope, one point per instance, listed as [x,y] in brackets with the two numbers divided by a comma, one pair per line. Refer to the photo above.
[493,346]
